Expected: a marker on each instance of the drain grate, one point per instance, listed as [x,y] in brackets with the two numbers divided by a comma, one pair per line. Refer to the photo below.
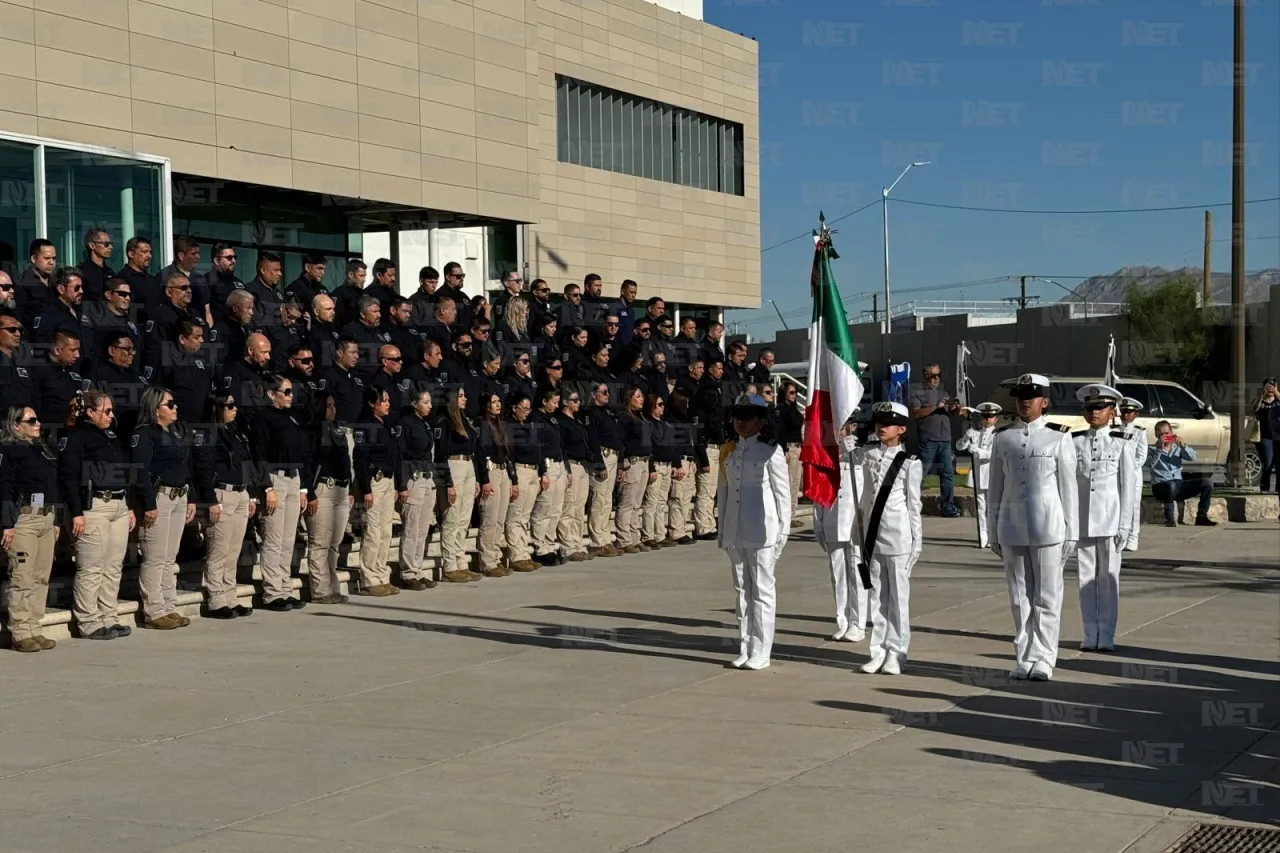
[1206,838]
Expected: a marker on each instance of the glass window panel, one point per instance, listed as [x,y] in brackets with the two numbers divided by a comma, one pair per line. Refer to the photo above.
[704,153]
[597,129]
[669,145]
[85,191]
[619,134]
[647,149]
[562,121]
[584,126]
[608,132]
[18,203]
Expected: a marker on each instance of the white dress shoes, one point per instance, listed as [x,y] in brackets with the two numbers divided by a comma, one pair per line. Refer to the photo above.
[1020,672]
[854,635]
[1041,671]
[877,660]
[757,662]
[892,665]
[737,662]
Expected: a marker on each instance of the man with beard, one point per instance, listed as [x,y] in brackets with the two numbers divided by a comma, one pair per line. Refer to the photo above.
[222,282]
[428,374]
[322,332]
[383,288]
[103,320]
[237,324]
[243,378]
[144,286]
[186,256]
[32,291]
[265,288]
[310,283]
[63,314]
[300,370]
[57,379]
[404,337]
[367,332]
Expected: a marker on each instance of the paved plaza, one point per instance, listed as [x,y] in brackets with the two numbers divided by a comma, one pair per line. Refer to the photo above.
[586,708]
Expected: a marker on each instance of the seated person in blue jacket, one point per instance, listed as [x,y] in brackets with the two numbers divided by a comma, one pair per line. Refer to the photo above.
[1165,462]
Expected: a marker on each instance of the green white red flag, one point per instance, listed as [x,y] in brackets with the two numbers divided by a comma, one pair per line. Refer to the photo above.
[835,388]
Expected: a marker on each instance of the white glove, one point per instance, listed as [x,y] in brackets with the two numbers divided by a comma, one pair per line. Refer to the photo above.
[848,442]
[912,560]
[995,549]
[1122,539]
[1068,550]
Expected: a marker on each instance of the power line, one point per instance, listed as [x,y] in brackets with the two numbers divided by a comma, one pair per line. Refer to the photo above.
[1074,212]
[810,233]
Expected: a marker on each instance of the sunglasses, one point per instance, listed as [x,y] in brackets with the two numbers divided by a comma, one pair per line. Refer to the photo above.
[396,359]
[933,376]
[1096,407]
[463,344]
[184,288]
[13,330]
[574,400]
[170,405]
[126,349]
[556,367]
[230,404]
[456,275]
[522,361]
[6,287]
[227,258]
[305,360]
[123,294]
[288,392]
[106,243]
[29,421]
[542,290]
[611,325]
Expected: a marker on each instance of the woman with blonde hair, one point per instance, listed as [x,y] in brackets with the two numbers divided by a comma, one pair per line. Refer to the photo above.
[94,476]
[28,494]
[456,453]
[514,326]
[160,456]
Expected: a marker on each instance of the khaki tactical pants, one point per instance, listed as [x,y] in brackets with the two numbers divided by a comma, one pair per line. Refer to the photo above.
[572,527]
[547,509]
[519,543]
[416,515]
[493,518]
[680,501]
[158,576]
[601,502]
[457,518]
[100,554]
[704,502]
[376,542]
[324,537]
[279,531]
[30,561]
[655,503]
[226,535]
[795,472]
[635,481]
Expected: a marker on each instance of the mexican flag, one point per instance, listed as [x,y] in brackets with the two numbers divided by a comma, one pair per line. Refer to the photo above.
[834,387]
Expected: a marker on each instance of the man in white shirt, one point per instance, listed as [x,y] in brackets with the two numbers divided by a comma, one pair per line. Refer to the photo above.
[978,444]
[1129,411]
[1105,476]
[1034,523]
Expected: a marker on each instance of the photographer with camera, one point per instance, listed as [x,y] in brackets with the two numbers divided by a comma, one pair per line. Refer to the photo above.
[1167,485]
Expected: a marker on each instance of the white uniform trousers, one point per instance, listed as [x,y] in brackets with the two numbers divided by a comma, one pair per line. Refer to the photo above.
[851,597]
[1035,595]
[980,498]
[1098,563]
[890,604]
[757,603]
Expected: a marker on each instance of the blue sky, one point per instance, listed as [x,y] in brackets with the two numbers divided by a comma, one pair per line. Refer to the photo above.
[1040,104]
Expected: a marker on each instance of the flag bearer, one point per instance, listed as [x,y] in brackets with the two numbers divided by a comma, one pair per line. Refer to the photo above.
[837,532]
[754,501]
[894,536]
[1129,411]
[1105,475]
[1034,523]
[978,443]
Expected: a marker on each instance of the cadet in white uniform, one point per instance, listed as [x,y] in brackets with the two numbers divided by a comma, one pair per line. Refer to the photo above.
[837,533]
[1105,476]
[1034,523]
[978,443]
[1129,410]
[895,542]
[754,502]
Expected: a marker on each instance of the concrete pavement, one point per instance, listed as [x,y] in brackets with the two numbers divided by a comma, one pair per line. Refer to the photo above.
[586,708]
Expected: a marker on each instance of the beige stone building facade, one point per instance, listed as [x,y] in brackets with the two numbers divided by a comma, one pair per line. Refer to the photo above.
[404,115]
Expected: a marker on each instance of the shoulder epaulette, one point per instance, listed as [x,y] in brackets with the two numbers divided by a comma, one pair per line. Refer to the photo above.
[1119,433]
[1080,432]
[1005,427]
[1059,427]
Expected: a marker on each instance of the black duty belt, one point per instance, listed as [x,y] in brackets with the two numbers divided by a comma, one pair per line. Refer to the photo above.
[34,510]
[608,451]
[333,482]
[109,496]
[460,457]
[231,487]
[381,475]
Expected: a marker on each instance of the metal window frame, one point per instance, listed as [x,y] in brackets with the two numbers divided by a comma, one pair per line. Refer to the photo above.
[41,143]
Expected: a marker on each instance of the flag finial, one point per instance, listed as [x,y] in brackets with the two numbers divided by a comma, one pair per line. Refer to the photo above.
[822,236]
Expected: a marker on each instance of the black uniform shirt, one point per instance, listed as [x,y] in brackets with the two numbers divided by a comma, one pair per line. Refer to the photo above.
[449,443]
[189,376]
[549,436]
[636,436]
[27,468]
[161,459]
[377,450]
[347,389]
[329,458]
[418,445]
[55,386]
[575,438]
[526,448]
[278,441]
[91,460]
[605,430]
[94,278]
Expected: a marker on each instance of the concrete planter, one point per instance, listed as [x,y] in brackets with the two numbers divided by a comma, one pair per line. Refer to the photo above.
[1234,508]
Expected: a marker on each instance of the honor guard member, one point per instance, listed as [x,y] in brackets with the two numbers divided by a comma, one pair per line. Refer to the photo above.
[754,499]
[328,482]
[232,502]
[94,476]
[28,529]
[188,370]
[1130,409]
[1106,474]
[279,446]
[418,455]
[837,532]
[380,483]
[606,443]
[1034,523]
[161,456]
[889,513]
[978,442]
[57,381]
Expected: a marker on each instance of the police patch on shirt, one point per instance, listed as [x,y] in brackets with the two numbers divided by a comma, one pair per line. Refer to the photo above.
[133,442]
[320,384]
[22,373]
[404,385]
[35,324]
[146,374]
[151,326]
[199,364]
[132,329]
[358,381]
[213,335]
[395,430]
[359,437]
[226,382]
[62,443]
[199,438]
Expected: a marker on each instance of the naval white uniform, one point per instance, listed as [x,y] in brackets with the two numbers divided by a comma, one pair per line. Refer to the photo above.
[839,536]
[754,518]
[1034,512]
[1137,445]
[979,443]
[898,545]
[1105,478]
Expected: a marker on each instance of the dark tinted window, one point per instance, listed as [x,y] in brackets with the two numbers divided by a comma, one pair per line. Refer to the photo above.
[1062,396]
[1139,391]
[1176,403]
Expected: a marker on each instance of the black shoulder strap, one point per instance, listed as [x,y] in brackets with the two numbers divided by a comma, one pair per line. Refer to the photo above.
[873,525]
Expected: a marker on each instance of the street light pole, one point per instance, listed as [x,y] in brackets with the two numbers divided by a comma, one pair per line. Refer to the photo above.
[884,203]
[1238,402]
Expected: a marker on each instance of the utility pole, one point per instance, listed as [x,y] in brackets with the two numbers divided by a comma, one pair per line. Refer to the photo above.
[1237,255]
[1208,255]
[1022,291]
[875,308]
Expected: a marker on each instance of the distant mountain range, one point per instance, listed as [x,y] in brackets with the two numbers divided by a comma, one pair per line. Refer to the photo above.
[1112,288]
